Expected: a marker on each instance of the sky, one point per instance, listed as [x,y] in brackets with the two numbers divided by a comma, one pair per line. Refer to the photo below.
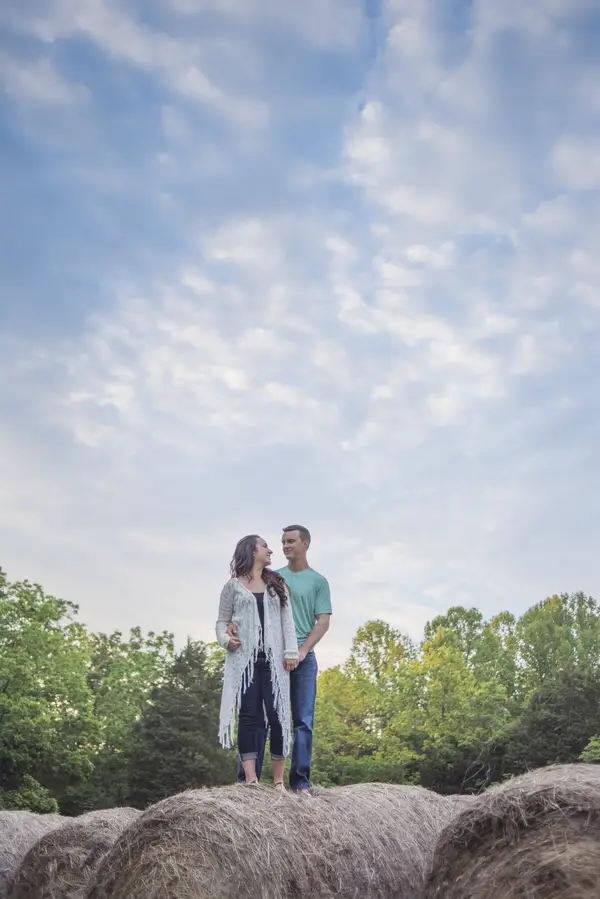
[334,263]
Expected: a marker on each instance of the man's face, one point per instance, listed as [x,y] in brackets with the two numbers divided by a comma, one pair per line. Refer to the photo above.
[293,547]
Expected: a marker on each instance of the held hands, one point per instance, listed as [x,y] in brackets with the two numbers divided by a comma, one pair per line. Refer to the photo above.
[291,664]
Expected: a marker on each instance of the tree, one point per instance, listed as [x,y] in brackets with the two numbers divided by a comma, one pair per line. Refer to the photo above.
[122,676]
[591,753]
[378,652]
[558,723]
[175,745]
[47,726]
[496,654]
[448,717]
[379,660]
[30,795]
[348,736]
[460,628]
[559,634]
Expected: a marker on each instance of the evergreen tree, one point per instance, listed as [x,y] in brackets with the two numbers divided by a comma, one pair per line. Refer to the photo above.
[175,745]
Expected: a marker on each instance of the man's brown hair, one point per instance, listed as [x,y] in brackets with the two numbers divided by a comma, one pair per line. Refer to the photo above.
[303,532]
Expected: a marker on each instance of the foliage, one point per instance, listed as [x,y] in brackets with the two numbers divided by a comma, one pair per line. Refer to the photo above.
[30,795]
[591,753]
[175,744]
[47,724]
[96,720]
[122,676]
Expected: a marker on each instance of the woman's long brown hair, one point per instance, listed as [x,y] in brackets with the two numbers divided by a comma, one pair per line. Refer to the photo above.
[243,561]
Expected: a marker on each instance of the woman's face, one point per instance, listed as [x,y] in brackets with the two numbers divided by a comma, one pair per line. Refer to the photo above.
[262,553]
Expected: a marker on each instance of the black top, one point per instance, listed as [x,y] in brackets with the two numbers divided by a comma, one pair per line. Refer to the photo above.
[260,602]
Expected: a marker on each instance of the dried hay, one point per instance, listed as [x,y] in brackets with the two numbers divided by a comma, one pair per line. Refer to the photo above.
[61,863]
[18,832]
[534,837]
[362,841]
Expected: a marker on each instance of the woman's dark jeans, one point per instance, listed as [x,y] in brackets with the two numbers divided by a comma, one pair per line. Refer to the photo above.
[256,700]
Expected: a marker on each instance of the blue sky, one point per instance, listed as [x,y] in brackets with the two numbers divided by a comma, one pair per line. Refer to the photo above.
[330,262]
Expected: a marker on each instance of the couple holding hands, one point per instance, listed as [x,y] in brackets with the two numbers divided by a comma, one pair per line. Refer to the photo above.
[270,622]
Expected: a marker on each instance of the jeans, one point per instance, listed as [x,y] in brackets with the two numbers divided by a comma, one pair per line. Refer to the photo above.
[256,701]
[303,694]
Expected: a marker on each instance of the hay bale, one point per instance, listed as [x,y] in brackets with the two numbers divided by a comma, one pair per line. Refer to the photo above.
[18,832]
[536,836]
[368,841]
[61,863]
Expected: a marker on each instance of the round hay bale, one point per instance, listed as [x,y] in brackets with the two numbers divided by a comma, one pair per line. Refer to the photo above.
[61,863]
[536,836]
[18,832]
[368,841]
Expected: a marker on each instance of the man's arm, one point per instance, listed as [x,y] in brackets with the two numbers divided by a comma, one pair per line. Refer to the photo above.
[318,632]
[322,619]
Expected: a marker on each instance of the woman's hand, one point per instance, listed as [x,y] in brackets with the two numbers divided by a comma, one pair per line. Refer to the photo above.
[290,664]
[234,642]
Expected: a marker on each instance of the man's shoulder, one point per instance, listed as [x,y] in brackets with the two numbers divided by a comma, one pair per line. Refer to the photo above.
[319,578]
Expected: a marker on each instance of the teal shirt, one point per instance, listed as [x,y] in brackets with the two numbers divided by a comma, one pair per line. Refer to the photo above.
[310,597]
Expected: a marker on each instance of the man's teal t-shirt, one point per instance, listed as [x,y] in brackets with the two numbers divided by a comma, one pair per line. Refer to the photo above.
[310,597]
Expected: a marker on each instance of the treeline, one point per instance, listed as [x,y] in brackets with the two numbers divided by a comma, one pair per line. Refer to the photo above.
[93,721]
[478,701]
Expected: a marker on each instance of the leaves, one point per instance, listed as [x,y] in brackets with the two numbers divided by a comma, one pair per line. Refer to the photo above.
[175,744]
[46,707]
[96,720]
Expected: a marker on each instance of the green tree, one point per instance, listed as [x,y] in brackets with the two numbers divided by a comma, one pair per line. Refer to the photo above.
[378,652]
[591,753]
[378,667]
[47,727]
[30,795]
[496,655]
[447,717]
[122,675]
[460,628]
[559,634]
[175,745]
[557,724]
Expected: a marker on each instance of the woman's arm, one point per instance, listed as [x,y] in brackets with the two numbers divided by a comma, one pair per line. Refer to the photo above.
[290,641]
[225,615]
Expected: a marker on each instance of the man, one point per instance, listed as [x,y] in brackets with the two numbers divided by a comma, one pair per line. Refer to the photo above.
[311,607]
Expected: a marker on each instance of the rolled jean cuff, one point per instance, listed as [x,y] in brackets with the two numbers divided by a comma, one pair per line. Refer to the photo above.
[249,756]
[278,758]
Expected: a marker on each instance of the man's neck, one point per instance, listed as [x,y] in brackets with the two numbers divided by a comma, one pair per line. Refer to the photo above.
[297,567]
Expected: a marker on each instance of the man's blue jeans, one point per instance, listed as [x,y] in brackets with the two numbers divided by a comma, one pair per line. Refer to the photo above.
[303,694]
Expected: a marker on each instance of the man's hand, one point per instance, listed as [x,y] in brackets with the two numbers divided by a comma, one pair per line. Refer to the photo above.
[290,664]
[302,655]
[231,629]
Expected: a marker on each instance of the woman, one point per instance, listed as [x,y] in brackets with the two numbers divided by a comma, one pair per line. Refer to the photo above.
[259,658]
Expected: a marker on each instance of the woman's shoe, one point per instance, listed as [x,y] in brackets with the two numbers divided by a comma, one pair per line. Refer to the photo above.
[280,787]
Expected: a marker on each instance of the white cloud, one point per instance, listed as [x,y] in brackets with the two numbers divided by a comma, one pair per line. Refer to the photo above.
[179,61]
[38,82]
[577,163]
[324,23]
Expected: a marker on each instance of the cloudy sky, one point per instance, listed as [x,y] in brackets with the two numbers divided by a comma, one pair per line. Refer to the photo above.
[330,262]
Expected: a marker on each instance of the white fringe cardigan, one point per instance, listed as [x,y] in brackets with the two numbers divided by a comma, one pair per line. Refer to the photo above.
[238,605]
